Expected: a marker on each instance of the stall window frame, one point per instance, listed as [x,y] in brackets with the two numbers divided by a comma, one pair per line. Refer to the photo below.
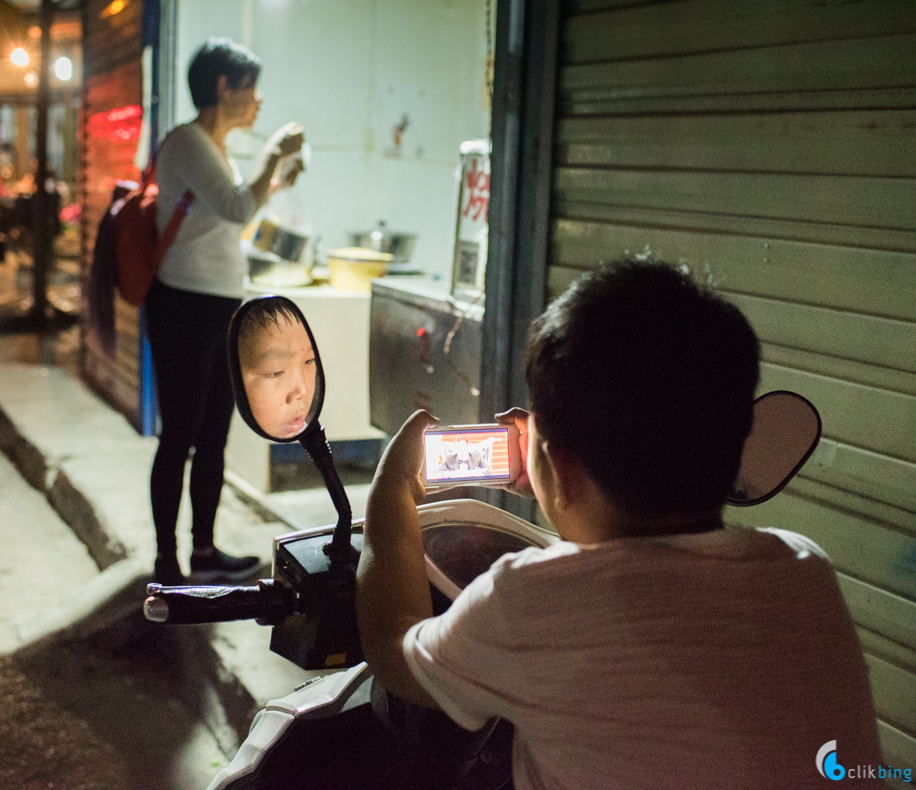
[524,92]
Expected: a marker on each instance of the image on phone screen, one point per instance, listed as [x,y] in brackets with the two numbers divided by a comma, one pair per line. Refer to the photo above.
[474,455]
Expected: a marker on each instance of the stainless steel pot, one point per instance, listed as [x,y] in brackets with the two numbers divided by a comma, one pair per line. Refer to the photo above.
[280,241]
[398,245]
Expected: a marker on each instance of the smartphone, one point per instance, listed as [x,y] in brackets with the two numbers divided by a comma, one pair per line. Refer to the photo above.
[478,455]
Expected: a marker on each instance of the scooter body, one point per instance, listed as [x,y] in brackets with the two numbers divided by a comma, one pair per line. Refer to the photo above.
[397,745]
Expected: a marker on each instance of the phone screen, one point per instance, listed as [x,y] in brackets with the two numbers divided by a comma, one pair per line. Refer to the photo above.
[475,455]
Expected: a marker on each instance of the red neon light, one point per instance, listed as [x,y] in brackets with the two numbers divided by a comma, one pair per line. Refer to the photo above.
[121,124]
[117,115]
[123,113]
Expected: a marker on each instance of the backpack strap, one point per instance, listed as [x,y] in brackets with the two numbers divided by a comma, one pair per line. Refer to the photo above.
[182,208]
[148,176]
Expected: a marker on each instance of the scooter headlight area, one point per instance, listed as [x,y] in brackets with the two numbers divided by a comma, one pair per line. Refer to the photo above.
[309,601]
[343,729]
[462,538]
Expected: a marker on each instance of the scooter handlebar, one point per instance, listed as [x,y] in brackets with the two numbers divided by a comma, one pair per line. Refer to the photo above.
[268,602]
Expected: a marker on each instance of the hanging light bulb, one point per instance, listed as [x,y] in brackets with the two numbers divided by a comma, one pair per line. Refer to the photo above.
[19,57]
[63,68]
[114,7]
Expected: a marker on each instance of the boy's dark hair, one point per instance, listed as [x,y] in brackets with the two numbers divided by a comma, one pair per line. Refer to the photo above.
[216,57]
[648,378]
[261,315]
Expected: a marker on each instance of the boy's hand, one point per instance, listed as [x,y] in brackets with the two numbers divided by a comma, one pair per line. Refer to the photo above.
[392,588]
[519,418]
[404,456]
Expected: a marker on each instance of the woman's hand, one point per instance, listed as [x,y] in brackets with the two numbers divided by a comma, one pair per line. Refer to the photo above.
[288,139]
[519,418]
[288,170]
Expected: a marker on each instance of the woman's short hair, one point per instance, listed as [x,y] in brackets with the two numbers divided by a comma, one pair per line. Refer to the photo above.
[648,378]
[216,57]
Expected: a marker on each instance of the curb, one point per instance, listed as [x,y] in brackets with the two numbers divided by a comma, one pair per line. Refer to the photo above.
[93,469]
[69,502]
[109,598]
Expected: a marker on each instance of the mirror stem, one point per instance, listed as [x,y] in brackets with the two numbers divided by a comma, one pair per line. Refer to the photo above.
[316,445]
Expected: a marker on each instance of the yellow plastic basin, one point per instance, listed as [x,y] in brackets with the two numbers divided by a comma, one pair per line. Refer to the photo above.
[353,268]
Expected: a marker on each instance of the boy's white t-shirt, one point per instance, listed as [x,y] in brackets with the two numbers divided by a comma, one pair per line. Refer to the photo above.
[718,660]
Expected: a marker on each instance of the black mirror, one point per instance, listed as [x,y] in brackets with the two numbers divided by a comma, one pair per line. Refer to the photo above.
[785,432]
[278,383]
[276,371]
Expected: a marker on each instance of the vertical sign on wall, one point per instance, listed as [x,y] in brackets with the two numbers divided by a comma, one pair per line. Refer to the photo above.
[470,261]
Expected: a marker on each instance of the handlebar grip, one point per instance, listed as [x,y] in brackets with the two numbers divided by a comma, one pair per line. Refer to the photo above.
[267,602]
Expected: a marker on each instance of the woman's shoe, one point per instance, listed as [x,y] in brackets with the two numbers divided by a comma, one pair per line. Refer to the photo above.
[217,566]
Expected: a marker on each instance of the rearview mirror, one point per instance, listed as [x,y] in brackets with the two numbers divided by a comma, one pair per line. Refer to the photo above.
[785,432]
[278,383]
[276,371]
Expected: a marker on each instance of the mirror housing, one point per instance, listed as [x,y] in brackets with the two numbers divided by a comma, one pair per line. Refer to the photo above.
[785,432]
[271,325]
[267,346]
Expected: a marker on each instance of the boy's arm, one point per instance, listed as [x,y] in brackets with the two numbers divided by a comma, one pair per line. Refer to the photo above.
[392,589]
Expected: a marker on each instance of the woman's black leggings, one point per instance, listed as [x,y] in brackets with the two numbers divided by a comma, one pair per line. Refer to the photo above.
[187,334]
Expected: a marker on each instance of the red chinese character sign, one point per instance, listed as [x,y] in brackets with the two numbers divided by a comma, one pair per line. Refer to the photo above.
[477,188]
[470,259]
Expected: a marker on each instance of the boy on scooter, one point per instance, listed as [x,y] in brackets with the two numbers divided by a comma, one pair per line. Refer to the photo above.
[651,647]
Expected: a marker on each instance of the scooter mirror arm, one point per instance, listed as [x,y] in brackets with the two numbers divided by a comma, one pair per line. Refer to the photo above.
[316,445]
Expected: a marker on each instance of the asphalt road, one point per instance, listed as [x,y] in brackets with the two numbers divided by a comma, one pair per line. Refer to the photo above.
[119,712]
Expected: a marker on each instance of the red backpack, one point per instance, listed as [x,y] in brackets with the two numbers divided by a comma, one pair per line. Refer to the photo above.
[138,247]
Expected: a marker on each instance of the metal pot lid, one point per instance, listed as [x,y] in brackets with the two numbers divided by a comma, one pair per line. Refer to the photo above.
[382,233]
[361,254]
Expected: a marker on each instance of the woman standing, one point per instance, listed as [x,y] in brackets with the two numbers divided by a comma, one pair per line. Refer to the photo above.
[199,287]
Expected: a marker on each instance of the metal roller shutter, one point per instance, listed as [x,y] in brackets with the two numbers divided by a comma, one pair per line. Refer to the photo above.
[110,122]
[774,144]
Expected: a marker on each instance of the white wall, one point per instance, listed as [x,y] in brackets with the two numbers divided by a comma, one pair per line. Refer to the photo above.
[347,70]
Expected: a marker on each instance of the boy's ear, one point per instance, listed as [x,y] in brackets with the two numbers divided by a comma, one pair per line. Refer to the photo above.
[222,82]
[566,472]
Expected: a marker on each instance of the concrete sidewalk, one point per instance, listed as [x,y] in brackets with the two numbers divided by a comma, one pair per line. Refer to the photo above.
[93,469]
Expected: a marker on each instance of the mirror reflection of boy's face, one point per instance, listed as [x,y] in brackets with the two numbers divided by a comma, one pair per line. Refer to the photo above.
[279,371]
